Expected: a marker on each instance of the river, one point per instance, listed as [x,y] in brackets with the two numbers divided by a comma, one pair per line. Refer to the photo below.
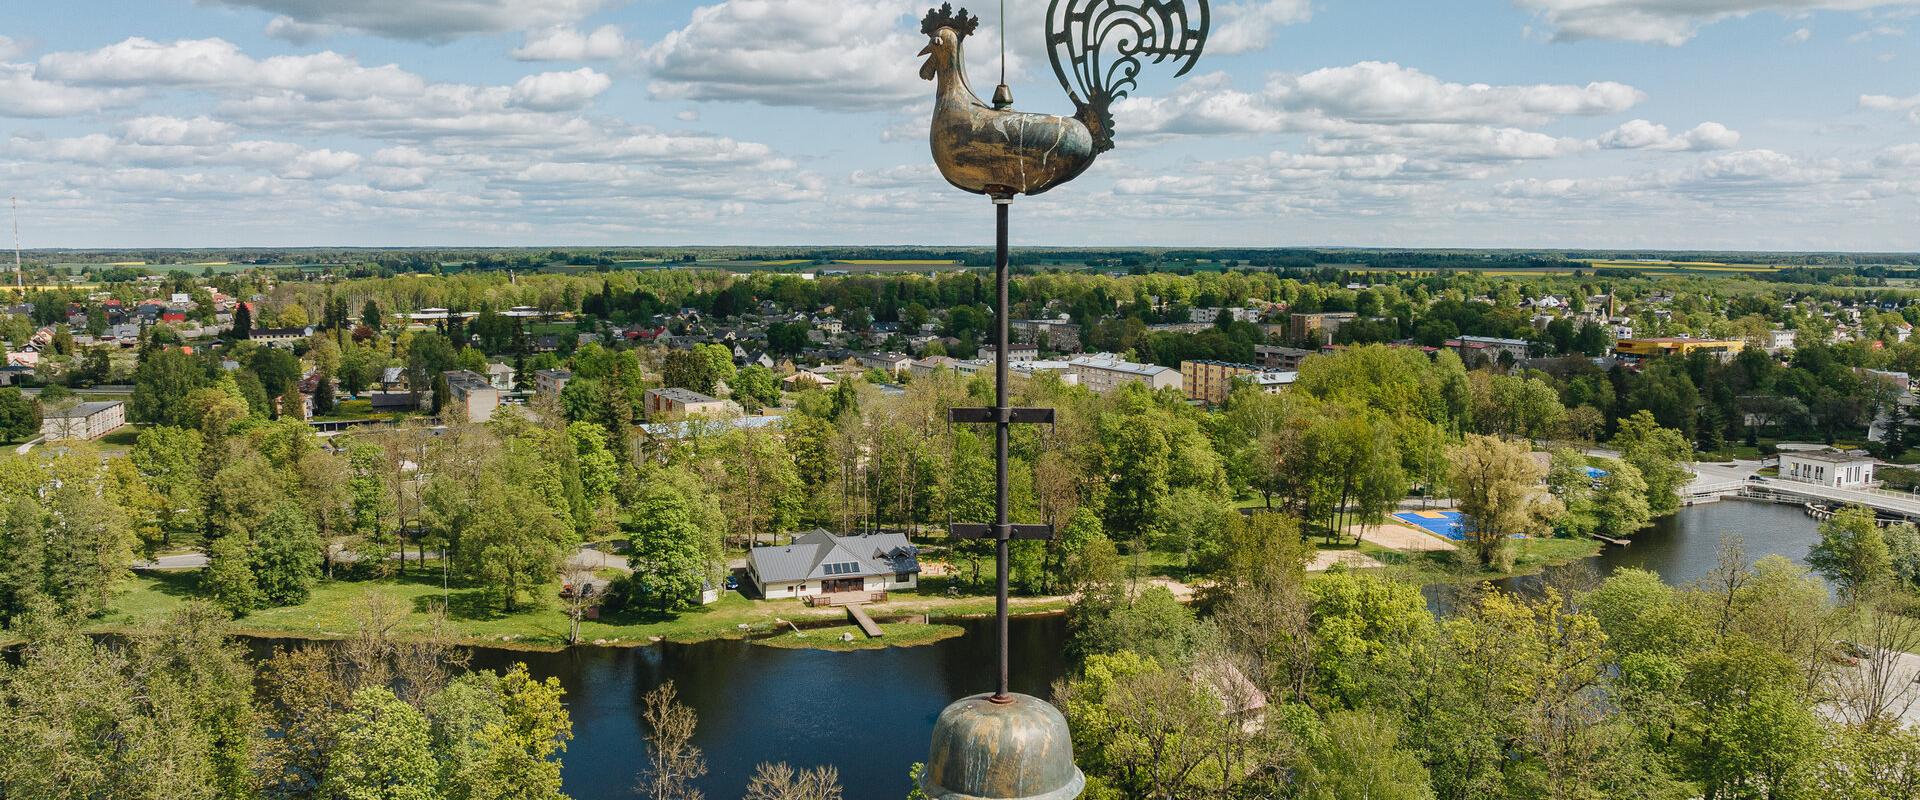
[869,713]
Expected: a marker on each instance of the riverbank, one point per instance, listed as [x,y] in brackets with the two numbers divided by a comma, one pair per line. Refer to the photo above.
[475,618]
[1428,567]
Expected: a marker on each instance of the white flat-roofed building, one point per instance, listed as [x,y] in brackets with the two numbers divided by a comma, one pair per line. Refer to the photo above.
[1105,373]
[84,421]
[1273,382]
[1827,468]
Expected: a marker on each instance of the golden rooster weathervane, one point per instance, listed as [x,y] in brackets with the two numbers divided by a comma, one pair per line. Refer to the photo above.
[1008,746]
[1097,48]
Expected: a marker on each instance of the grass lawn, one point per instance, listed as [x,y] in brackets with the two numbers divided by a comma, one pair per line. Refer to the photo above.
[1442,566]
[904,634]
[476,617]
[124,437]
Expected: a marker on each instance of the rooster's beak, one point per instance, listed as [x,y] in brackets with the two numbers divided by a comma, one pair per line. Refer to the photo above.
[928,50]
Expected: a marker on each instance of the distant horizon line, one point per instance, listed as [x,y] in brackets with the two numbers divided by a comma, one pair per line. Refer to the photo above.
[980,247]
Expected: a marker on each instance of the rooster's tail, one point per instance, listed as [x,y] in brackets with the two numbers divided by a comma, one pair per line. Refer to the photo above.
[1098,47]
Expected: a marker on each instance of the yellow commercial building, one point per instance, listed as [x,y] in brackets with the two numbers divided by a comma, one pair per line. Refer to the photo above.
[1651,348]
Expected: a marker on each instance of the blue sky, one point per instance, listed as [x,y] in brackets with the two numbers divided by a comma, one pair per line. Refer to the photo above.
[1728,124]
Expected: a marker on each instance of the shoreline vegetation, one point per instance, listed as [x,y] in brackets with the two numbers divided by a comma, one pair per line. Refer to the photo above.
[329,613]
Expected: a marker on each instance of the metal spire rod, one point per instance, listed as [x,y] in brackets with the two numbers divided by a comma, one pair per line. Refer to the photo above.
[1001,520]
[19,277]
[1003,416]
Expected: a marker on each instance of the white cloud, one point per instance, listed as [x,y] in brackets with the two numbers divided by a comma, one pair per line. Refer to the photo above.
[319,164]
[568,44]
[559,91]
[1640,134]
[1799,36]
[217,63]
[160,130]
[11,48]
[24,94]
[428,20]
[845,55]
[1672,22]
[292,30]
[1881,102]
[1375,91]
[1877,31]
[1247,26]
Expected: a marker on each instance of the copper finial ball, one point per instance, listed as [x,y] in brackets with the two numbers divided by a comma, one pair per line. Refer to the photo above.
[1016,749]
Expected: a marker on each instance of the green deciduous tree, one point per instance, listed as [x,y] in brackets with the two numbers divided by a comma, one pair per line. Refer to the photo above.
[382,750]
[1660,455]
[1851,552]
[1498,487]
[286,555]
[675,540]
[1360,754]
[19,416]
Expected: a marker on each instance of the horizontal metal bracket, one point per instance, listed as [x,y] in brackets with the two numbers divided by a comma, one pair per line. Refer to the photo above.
[1037,416]
[974,530]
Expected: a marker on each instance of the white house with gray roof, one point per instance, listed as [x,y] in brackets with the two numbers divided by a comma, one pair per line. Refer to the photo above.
[819,562]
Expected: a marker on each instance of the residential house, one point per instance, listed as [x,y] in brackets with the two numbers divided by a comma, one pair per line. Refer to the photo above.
[501,376]
[819,562]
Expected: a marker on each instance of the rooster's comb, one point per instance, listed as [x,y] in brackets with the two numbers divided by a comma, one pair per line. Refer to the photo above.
[944,17]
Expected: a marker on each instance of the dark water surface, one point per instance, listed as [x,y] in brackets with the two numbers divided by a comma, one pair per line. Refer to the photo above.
[870,713]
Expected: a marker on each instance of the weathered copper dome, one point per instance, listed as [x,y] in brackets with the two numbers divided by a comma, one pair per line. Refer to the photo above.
[1019,749]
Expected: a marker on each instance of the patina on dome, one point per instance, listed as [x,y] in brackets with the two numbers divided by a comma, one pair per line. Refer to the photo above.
[1019,749]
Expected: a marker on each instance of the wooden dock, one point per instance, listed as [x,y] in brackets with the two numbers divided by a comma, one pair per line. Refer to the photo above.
[865,622]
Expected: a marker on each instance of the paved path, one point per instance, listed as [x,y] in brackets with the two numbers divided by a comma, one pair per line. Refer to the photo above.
[175,561]
[584,558]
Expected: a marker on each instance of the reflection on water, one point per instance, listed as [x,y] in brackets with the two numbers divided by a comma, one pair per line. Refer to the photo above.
[869,713]
[1681,548]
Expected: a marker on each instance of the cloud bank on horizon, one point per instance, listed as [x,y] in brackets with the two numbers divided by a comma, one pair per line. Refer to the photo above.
[1727,124]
